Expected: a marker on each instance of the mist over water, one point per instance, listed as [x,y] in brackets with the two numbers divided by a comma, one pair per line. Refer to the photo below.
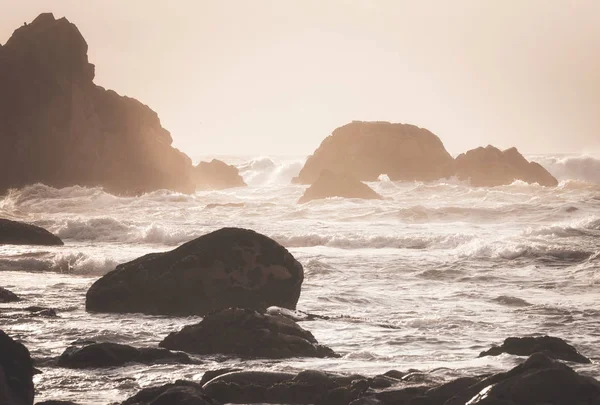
[425,278]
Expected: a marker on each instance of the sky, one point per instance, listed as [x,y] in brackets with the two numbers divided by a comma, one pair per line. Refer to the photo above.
[276,77]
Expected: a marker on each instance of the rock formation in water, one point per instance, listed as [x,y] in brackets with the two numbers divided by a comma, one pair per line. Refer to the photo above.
[489,167]
[246,333]
[58,128]
[366,150]
[330,184]
[552,347]
[217,175]
[16,372]
[8,296]
[19,233]
[225,268]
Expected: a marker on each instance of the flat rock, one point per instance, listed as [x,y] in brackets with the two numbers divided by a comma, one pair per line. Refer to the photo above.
[526,346]
[330,184]
[20,233]
[8,296]
[98,355]
[246,333]
[217,175]
[225,268]
[179,392]
[16,372]
[366,150]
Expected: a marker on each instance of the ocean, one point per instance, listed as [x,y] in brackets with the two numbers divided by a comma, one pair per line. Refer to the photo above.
[426,278]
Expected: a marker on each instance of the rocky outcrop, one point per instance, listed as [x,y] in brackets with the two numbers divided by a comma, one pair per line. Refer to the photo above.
[489,167]
[217,175]
[225,268]
[99,355]
[8,296]
[552,347]
[58,128]
[20,233]
[16,372]
[330,184]
[179,392]
[365,150]
[246,333]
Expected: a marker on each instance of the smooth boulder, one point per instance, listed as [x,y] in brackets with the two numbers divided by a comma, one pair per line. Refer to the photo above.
[16,372]
[246,333]
[8,296]
[217,175]
[179,392]
[225,268]
[366,150]
[330,184]
[59,128]
[490,167]
[553,347]
[20,233]
[99,355]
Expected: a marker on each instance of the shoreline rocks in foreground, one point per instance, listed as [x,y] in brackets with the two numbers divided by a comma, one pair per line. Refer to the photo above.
[60,129]
[552,347]
[246,333]
[330,184]
[16,372]
[217,175]
[20,233]
[231,267]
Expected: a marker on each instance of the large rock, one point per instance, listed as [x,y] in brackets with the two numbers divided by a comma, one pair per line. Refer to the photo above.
[228,267]
[330,184]
[58,128]
[8,296]
[19,233]
[489,167]
[98,355]
[366,150]
[246,333]
[553,347]
[217,175]
[180,392]
[16,372]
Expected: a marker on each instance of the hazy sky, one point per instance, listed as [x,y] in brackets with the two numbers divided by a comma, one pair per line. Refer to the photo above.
[276,77]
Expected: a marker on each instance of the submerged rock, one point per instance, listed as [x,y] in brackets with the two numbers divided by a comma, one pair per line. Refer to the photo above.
[97,355]
[330,184]
[246,333]
[552,347]
[366,150]
[16,372]
[217,175]
[489,167]
[179,392]
[60,129]
[20,233]
[8,296]
[225,268]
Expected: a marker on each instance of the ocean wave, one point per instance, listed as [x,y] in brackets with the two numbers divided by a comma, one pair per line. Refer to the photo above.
[584,227]
[510,250]
[69,263]
[585,168]
[263,171]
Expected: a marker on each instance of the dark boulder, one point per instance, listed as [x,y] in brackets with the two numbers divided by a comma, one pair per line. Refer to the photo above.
[98,355]
[217,175]
[179,392]
[20,233]
[330,184]
[61,129]
[365,150]
[489,167]
[8,296]
[225,268]
[16,372]
[246,333]
[52,402]
[552,347]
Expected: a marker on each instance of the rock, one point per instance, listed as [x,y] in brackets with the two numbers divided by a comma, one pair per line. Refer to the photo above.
[60,129]
[246,333]
[16,372]
[98,355]
[552,347]
[228,267]
[540,380]
[180,392]
[489,167]
[8,296]
[365,150]
[212,374]
[52,402]
[20,233]
[217,175]
[330,184]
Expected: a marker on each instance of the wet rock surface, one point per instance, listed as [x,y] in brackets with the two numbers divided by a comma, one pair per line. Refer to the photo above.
[8,296]
[179,392]
[20,233]
[16,372]
[552,347]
